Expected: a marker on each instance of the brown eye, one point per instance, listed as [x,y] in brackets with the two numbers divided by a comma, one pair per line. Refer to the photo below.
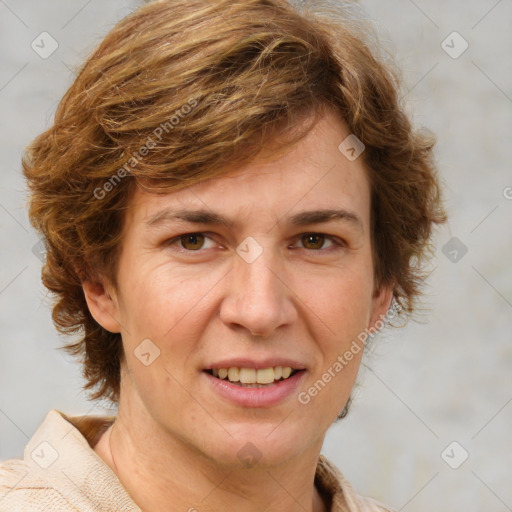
[313,240]
[192,241]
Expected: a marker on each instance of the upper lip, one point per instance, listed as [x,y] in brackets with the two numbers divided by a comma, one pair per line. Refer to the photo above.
[242,362]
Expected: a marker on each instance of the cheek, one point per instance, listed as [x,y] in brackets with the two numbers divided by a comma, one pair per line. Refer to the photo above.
[161,301]
[340,299]
[343,312]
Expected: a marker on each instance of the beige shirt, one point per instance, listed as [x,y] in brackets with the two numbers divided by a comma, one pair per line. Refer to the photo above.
[60,472]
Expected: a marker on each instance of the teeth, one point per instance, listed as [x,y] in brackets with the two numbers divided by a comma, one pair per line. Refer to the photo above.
[234,374]
[250,377]
[247,375]
[265,375]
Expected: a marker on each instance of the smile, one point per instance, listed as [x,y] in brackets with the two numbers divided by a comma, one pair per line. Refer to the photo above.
[252,377]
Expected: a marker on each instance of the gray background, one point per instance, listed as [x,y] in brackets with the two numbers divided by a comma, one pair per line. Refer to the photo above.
[426,385]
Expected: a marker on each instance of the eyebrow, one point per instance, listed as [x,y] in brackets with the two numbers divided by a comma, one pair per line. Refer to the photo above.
[207,217]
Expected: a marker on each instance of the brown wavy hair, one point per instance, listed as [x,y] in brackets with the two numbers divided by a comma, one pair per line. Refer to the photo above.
[182,91]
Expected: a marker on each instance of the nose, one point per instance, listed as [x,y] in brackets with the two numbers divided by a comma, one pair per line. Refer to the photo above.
[258,300]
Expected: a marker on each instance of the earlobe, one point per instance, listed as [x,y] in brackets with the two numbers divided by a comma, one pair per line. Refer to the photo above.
[102,305]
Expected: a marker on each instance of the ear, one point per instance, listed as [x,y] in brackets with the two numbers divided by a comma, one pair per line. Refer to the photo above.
[381,302]
[103,305]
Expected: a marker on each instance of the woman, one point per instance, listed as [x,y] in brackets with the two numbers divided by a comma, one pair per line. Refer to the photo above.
[232,200]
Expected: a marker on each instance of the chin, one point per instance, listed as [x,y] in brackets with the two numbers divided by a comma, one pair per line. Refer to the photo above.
[259,446]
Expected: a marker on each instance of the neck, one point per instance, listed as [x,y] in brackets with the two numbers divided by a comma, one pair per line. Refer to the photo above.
[166,474]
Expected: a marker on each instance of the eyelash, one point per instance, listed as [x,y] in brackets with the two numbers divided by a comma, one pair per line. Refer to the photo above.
[337,242]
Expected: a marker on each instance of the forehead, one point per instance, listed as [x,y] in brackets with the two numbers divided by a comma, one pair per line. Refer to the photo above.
[314,174]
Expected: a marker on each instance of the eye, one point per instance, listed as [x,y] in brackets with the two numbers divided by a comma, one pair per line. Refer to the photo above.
[195,242]
[315,241]
[191,242]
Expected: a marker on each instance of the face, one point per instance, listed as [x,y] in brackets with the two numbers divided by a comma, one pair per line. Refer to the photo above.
[267,267]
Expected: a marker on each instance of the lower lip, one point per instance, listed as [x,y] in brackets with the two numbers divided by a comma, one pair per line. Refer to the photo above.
[257,397]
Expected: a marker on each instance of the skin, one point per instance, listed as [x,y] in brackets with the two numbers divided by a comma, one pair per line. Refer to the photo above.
[174,443]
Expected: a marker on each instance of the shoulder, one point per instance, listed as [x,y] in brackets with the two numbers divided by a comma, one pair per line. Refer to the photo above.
[60,472]
[23,487]
[39,481]
[342,495]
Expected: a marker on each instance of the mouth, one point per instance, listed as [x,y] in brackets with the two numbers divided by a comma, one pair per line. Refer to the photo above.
[253,377]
